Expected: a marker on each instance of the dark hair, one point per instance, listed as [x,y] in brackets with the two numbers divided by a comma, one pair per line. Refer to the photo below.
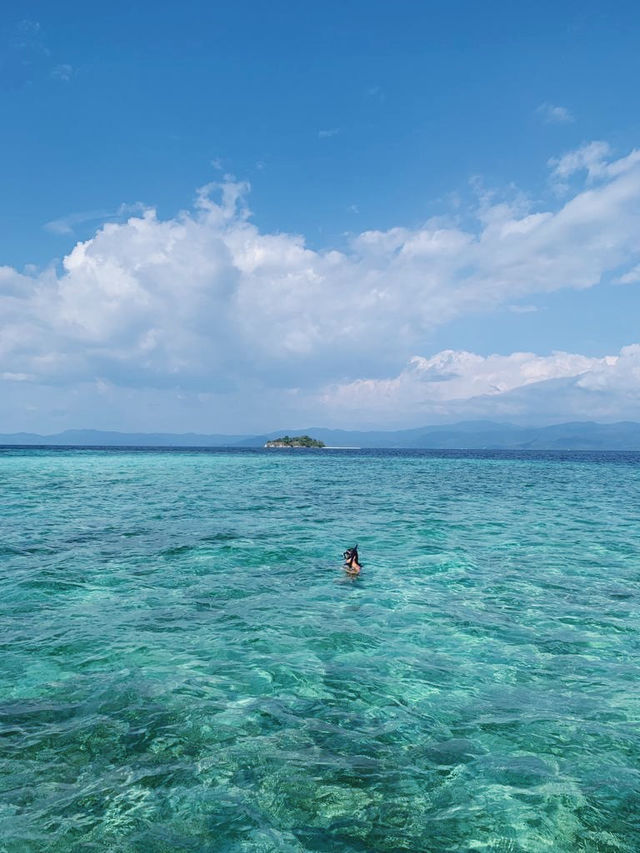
[351,554]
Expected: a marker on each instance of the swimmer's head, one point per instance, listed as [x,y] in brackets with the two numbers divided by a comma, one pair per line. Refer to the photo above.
[351,554]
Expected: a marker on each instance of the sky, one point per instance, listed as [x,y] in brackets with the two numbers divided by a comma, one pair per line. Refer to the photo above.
[241,217]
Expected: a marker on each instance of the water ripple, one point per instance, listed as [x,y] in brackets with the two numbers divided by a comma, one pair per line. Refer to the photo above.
[185,666]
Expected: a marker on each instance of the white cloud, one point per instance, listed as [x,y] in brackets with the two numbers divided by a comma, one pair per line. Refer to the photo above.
[551,114]
[449,386]
[523,309]
[594,159]
[591,158]
[327,134]
[630,277]
[460,375]
[16,377]
[66,225]
[207,302]
[620,373]
[458,384]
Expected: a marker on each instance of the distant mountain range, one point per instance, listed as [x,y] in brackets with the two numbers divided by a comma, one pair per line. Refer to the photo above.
[469,435]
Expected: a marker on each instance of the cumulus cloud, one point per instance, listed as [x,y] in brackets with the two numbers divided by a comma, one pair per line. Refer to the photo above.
[449,386]
[454,385]
[453,375]
[205,301]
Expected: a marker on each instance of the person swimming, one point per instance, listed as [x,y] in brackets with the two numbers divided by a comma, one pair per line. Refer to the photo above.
[352,561]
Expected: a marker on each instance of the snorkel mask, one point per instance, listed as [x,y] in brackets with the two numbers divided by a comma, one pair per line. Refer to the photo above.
[350,554]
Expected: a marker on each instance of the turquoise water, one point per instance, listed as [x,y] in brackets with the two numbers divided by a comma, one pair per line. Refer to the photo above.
[186,668]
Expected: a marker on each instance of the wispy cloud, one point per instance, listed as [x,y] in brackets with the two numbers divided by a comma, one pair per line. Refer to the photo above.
[25,57]
[592,158]
[551,114]
[62,72]
[66,225]
[523,309]
[327,134]
[630,277]
[16,377]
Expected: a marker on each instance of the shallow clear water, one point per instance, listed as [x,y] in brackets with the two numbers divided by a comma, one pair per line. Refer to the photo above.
[185,667]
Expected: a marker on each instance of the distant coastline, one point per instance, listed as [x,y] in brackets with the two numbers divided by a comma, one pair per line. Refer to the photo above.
[469,435]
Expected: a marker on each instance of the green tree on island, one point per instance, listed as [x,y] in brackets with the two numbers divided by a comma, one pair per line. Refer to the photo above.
[296,441]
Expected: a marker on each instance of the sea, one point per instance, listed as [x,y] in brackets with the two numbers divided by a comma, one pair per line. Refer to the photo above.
[185,666]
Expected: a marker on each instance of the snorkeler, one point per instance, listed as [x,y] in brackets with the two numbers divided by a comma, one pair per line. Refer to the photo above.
[352,561]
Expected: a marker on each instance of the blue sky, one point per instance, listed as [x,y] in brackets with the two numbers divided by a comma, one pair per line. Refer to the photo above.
[423,124]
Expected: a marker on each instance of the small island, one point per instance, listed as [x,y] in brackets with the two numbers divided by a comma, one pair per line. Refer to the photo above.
[296,441]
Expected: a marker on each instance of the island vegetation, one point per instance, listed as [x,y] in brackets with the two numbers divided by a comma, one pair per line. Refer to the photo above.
[296,441]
